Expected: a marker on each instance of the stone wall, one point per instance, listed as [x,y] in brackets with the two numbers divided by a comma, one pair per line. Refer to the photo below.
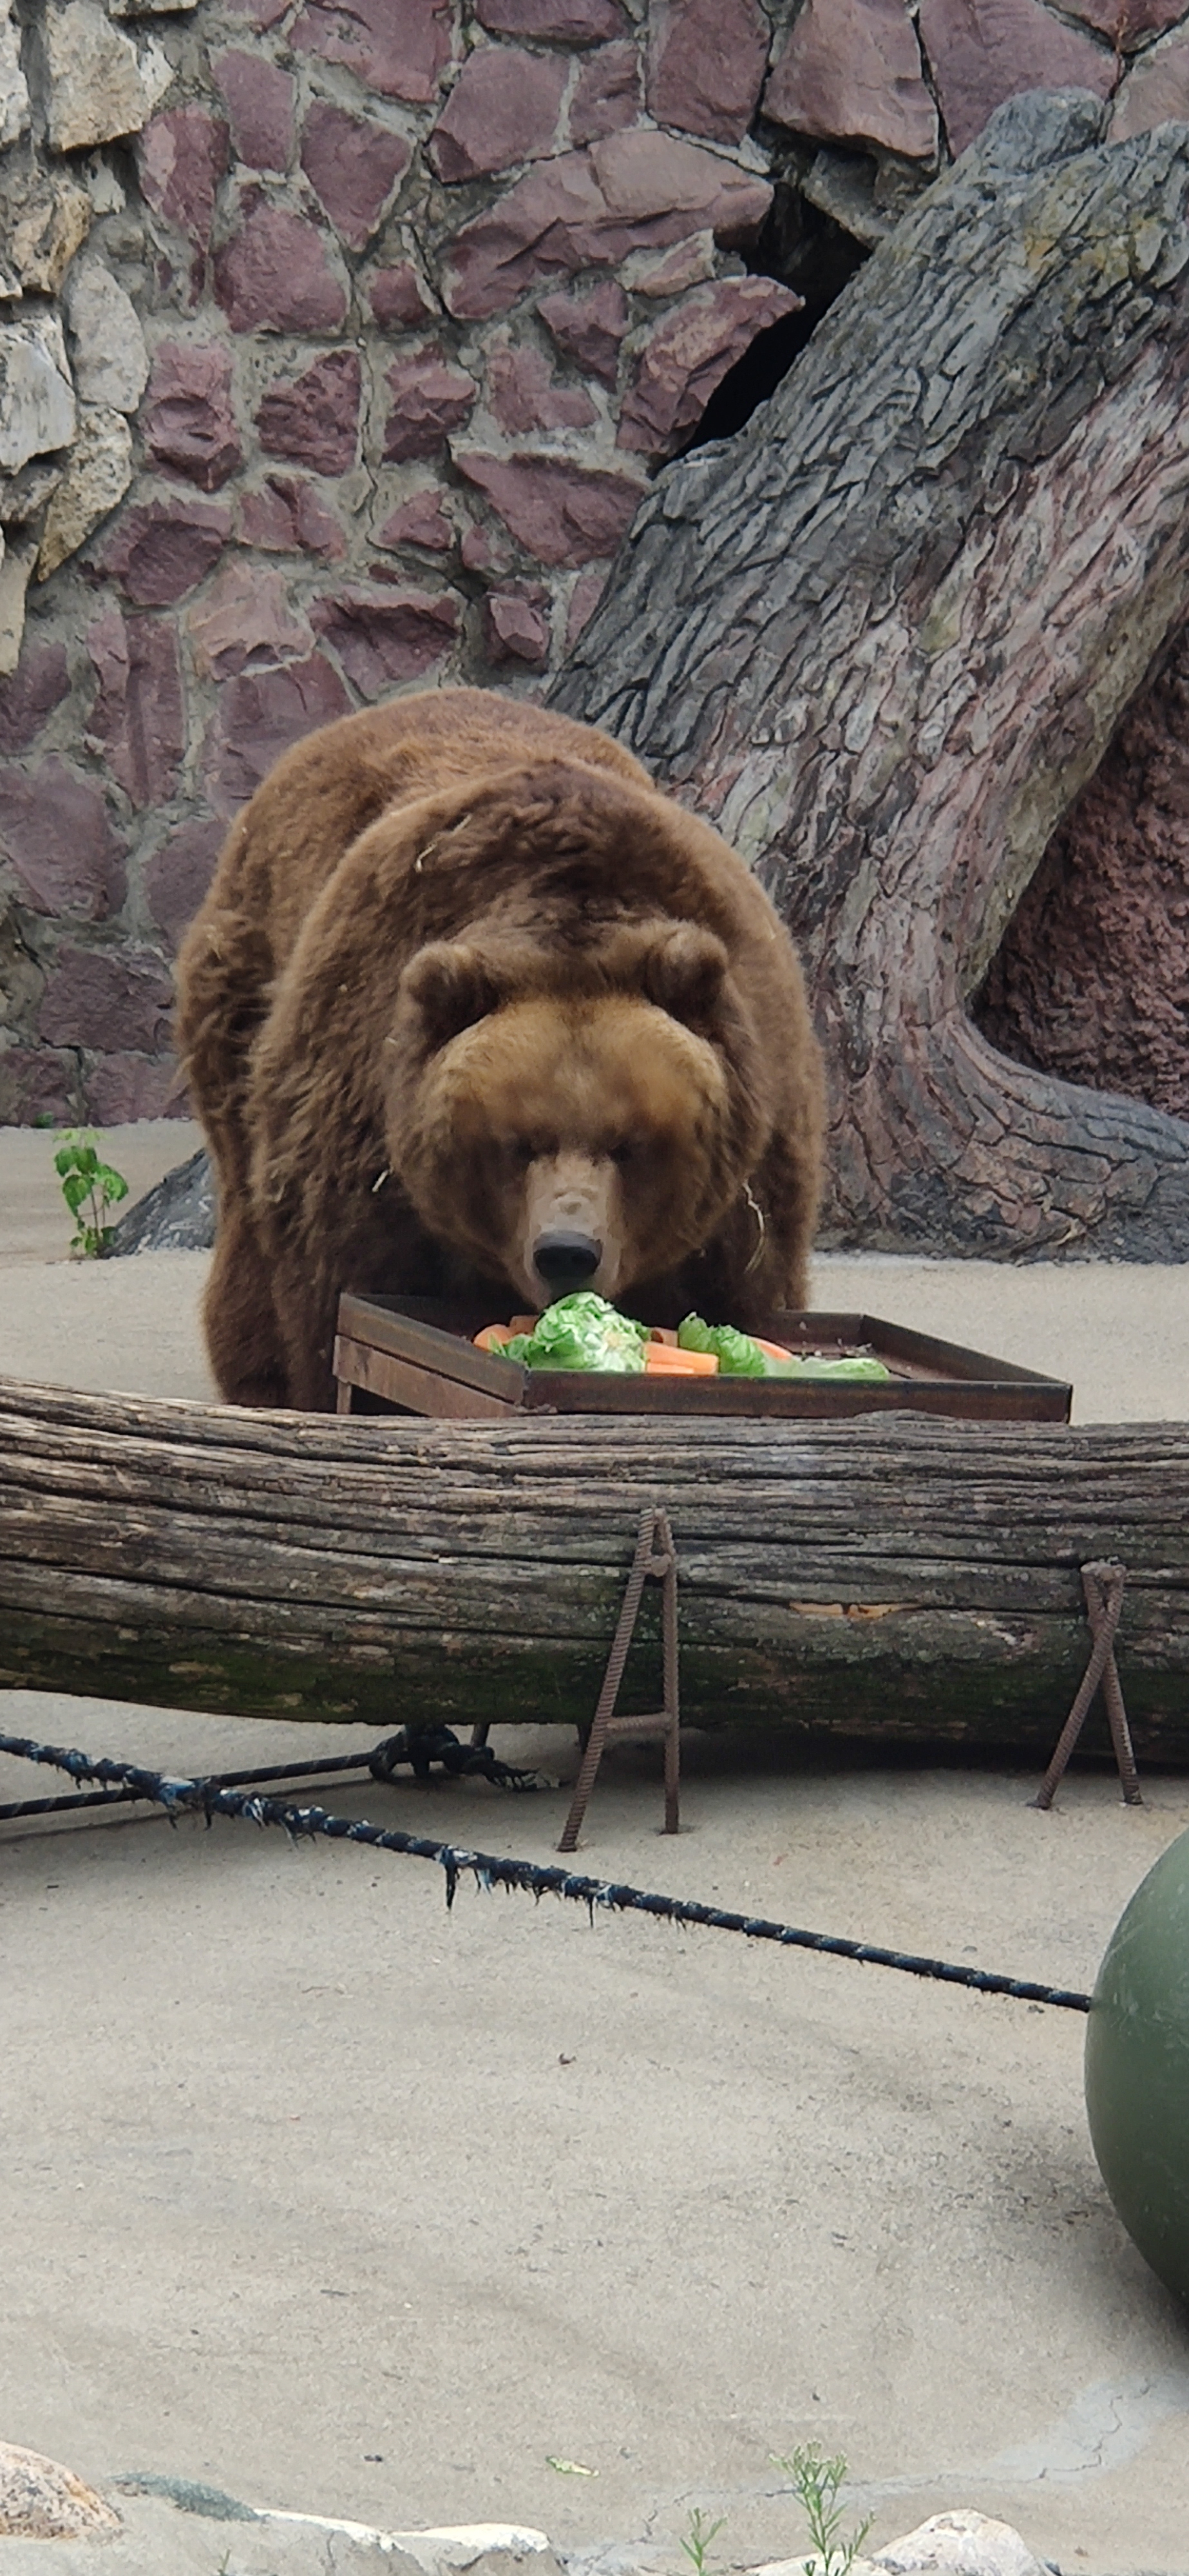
[339,340]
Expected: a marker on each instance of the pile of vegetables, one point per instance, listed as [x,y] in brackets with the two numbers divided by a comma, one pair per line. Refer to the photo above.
[583,1331]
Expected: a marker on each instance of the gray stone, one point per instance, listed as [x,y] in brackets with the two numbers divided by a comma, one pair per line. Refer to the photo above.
[100,87]
[23,496]
[104,190]
[14,94]
[16,564]
[37,407]
[963,2543]
[177,1216]
[111,362]
[97,476]
[867,199]
[45,217]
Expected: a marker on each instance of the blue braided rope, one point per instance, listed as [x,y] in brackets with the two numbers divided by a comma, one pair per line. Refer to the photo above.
[205,1797]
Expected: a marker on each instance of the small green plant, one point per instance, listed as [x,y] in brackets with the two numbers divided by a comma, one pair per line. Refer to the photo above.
[89,1188]
[696,2545]
[816,2483]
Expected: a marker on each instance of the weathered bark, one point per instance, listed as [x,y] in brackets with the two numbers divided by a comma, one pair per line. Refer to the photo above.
[884,636]
[904,1580]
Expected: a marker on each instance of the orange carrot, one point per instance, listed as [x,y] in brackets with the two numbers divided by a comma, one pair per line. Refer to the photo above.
[662,1360]
[772,1350]
[493,1337]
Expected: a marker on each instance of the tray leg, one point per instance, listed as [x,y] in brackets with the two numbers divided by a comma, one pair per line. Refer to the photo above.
[655,1555]
[1102,1584]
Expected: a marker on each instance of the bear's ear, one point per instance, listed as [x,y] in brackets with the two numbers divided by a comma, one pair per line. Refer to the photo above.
[682,970]
[451,986]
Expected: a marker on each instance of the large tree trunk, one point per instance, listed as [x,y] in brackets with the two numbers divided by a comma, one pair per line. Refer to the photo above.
[884,636]
[908,1581]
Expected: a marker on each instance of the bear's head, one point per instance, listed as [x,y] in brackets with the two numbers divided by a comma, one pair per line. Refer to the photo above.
[587,1133]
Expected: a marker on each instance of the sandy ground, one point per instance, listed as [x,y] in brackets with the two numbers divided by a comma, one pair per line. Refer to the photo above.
[317,2192]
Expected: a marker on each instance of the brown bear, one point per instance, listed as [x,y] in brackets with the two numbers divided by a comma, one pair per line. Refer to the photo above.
[473,1011]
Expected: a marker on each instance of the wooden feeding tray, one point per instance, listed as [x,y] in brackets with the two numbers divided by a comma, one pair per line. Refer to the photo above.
[415,1355]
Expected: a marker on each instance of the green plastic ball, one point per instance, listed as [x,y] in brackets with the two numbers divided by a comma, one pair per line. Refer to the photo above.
[1137,2068]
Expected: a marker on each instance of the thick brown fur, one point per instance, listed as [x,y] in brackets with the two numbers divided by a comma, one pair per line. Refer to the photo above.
[463,972]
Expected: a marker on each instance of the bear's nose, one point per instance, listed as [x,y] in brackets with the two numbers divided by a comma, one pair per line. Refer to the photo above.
[565,1261]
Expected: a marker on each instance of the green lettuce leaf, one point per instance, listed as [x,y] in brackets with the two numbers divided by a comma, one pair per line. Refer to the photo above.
[736,1353]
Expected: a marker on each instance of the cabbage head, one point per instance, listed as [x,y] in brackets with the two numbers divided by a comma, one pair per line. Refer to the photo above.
[581,1332]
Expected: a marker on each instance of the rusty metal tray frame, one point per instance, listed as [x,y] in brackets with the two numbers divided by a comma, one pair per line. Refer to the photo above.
[416,1355]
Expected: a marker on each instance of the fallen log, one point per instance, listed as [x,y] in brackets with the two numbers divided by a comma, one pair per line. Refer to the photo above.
[898,1578]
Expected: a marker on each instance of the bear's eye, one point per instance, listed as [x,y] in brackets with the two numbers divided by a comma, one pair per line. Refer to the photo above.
[518,1152]
[627,1151]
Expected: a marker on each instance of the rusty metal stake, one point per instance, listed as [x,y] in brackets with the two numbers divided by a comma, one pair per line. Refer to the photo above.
[655,1555]
[1102,1584]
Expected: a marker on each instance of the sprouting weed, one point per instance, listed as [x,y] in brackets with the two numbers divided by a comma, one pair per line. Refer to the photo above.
[696,2544]
[89,1188]
[816,2483]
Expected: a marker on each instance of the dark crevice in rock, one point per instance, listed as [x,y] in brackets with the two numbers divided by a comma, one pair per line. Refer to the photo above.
[1091,979]
[803,248]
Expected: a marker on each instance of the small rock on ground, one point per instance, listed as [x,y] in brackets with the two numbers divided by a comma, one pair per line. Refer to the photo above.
[163,2522]
[177,1216]
[40,2500]
[963,2543]
[960,2544]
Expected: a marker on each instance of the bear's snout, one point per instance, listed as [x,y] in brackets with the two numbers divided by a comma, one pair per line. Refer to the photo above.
[566,1261]
[571,1232]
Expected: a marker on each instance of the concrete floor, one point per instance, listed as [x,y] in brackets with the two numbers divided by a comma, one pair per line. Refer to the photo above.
[318,2193]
